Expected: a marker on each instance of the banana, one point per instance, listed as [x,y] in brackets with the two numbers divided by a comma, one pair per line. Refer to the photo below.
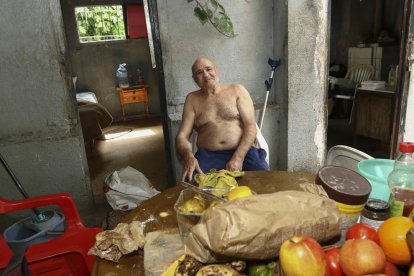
[188,266]
[238,265]
[217,270]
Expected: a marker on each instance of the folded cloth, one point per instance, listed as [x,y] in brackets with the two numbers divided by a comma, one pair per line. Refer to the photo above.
[218,179]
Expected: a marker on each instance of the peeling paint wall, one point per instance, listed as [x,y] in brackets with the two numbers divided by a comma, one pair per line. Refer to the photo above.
[307,83]
[39,127]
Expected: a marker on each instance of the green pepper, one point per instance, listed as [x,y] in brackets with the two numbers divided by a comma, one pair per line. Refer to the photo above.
[261,268]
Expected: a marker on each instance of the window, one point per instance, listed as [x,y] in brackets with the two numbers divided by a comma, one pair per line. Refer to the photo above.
[100,23]
[107,22]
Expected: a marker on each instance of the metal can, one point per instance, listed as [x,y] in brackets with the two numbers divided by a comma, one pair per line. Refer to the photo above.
[376,211]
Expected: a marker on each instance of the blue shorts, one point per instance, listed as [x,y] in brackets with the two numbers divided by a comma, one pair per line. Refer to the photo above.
[255,159]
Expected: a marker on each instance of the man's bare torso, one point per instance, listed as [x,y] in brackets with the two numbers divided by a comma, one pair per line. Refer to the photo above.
[217,118]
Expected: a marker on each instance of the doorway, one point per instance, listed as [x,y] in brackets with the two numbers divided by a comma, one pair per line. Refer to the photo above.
[365,32]
[94,64]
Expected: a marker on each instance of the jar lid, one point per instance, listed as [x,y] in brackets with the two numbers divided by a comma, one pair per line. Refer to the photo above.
[343,185]
[377,205]
[406,147]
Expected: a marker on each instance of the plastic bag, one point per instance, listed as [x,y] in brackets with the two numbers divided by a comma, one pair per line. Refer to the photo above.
[122,75]
[127,188]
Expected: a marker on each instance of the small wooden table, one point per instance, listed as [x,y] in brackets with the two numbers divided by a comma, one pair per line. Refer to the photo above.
[133,94]
[262,182]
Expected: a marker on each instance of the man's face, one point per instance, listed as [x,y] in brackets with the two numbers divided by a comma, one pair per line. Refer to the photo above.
[205,73]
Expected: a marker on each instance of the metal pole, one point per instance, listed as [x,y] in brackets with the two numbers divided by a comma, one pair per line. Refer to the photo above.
[16,181]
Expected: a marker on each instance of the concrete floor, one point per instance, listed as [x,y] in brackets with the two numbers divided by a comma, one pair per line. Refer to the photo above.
[340,132]
[138,144]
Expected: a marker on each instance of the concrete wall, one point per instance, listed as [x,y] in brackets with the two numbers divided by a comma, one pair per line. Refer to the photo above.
[242,59]
[307,83]
[40,135]
[95,64]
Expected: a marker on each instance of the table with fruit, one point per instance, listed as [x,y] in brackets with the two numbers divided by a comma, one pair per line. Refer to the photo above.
[365,251]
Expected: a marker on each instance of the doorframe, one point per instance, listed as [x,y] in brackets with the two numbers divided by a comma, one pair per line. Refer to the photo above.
[403,81]
[153,14]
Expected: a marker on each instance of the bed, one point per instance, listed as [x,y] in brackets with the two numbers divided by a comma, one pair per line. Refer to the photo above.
[94,117]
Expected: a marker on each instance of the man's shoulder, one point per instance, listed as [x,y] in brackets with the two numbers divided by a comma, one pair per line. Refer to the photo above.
[234,88]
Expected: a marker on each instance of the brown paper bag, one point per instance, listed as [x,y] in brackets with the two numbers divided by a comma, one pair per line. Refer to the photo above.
[255,227]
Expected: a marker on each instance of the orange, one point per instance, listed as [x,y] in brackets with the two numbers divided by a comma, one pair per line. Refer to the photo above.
[392,235]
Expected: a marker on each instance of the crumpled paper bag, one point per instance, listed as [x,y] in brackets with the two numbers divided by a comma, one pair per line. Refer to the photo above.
[255,227]
[125,238]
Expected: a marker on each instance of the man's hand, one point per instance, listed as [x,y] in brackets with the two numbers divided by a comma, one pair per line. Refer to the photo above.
[235,164]
[190,165]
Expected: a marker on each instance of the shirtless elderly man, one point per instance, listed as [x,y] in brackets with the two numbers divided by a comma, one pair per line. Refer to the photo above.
[223,116]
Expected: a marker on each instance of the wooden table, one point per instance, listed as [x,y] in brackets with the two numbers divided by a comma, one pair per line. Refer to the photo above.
[262,182]
[133,94]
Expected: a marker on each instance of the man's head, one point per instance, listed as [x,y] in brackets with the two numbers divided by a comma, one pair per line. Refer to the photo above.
[205,73]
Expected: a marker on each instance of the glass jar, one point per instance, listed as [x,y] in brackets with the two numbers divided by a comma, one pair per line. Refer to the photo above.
[375,212]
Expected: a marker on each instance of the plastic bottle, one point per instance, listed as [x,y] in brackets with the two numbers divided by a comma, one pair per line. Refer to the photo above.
[122,75]
[401,182]
[392,77]
[140,77]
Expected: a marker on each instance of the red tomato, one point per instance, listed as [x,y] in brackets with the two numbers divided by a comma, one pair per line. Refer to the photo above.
[391,269]
[362,231]
[332,263]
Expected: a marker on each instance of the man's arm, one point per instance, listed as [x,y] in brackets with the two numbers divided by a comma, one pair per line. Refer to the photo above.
[183,144]
[247,116]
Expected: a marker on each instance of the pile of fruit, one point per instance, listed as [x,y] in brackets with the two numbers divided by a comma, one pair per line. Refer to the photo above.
[364,252]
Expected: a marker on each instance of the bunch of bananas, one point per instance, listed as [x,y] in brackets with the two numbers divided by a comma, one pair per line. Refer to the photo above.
[187,266]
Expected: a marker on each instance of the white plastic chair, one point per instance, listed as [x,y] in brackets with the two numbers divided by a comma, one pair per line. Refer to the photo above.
[345,156]
[357,74]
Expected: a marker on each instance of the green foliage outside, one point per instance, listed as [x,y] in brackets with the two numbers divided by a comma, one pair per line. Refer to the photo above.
[212,11]
[97,23]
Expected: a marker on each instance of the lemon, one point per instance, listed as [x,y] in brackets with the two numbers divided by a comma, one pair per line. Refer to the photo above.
[239,192]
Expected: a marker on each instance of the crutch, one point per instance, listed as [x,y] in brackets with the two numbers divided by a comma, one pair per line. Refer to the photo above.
[274,64]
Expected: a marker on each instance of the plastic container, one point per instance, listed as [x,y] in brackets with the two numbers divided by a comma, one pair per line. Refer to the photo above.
[372,85]
[187,221]
[376,171]
[27,231]
[122,75]
[349,190]
[401,182]
[392,77]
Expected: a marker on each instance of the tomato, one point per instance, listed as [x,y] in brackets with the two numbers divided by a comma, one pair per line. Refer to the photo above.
[362,231]
[391,270]
[332,263]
